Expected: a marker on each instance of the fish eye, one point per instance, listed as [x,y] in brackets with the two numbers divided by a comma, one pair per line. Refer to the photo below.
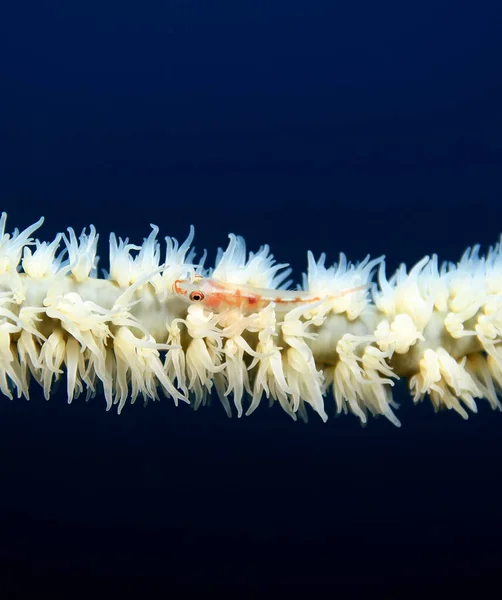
[196,296]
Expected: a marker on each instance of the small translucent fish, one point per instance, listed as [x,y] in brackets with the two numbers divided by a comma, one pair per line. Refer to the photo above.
[219,296]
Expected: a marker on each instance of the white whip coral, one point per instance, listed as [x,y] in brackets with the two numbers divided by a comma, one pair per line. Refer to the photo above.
[162,323]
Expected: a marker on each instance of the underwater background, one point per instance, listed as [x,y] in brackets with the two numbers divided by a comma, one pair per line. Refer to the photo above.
[364,128]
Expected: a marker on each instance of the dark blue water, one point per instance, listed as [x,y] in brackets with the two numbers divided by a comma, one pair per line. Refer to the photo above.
[333,127]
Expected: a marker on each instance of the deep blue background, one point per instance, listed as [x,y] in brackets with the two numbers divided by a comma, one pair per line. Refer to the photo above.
[362,127]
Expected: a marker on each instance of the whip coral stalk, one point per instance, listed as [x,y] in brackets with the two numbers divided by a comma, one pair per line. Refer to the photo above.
[161,323]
